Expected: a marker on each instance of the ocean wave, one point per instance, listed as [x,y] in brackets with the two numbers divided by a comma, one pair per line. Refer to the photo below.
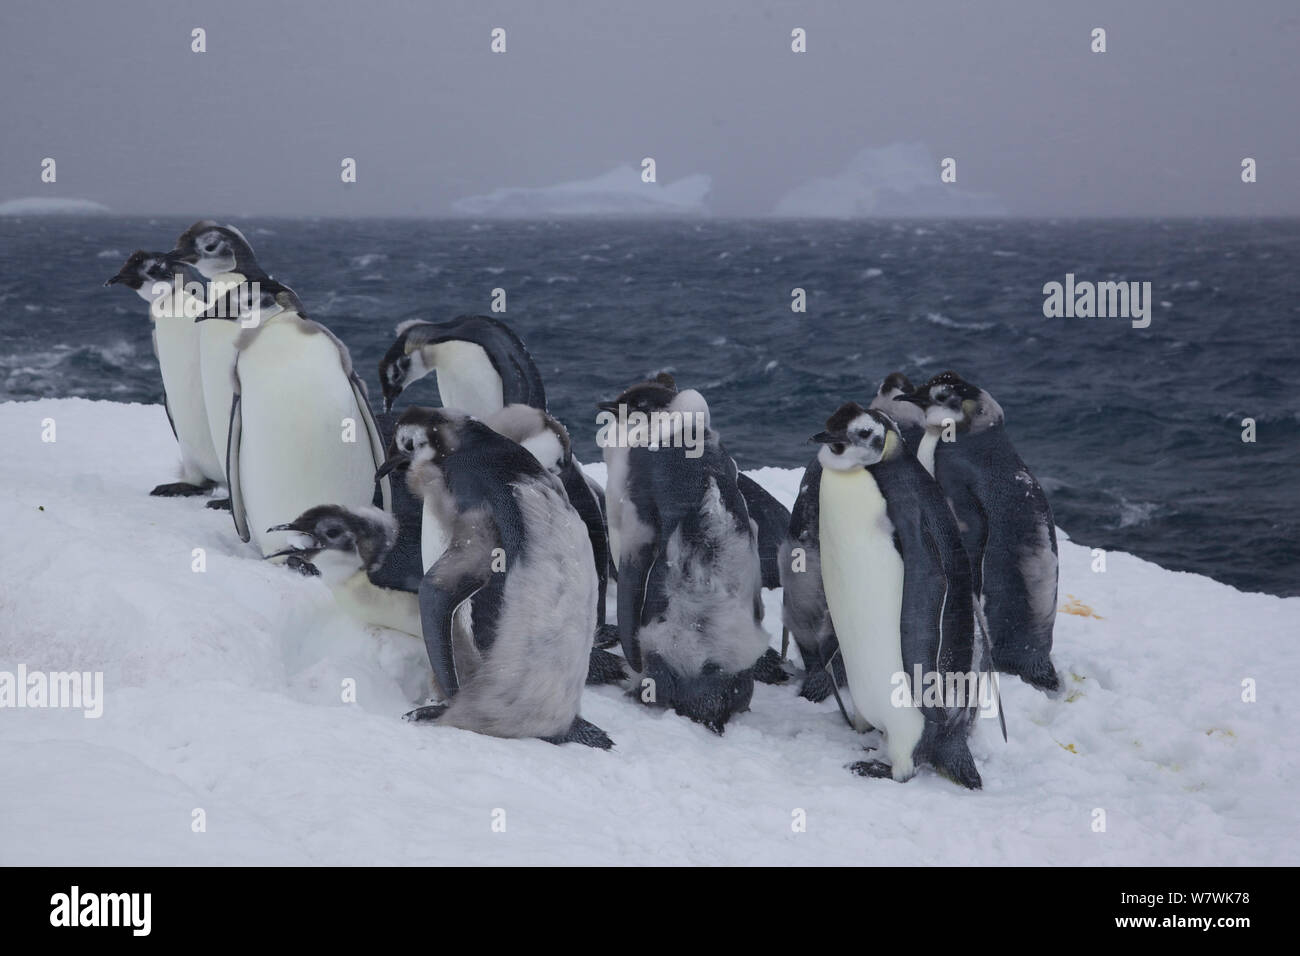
[938,318]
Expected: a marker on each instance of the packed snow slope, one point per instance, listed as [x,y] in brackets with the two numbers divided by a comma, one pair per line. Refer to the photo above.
[223,694]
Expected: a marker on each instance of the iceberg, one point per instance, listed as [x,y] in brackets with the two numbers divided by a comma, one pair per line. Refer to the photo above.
[619,192]
[899,180]
[51,206]
[226,689]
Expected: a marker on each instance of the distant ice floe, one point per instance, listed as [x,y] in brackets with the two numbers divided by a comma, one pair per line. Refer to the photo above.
[619,192]
[901,179]
[51,206]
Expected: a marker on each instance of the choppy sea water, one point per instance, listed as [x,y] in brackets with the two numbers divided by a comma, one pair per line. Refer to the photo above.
[1135,434]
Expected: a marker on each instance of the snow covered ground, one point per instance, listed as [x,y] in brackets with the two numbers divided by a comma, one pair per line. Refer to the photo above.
[222,693]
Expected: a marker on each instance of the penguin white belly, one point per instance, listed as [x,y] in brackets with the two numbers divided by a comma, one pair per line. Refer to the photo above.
[385,607]
[216,367]
[616,462]
[176,342]
[925,450]
[862,574]
[434,536]
[292,454]
[467,379]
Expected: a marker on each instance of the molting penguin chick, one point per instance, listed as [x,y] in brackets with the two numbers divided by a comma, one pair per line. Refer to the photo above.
[518,558]
[301,430]
[482,366]
[689,602]
[549,443]
[176,346]
[1006,522]
[223,256]
[898,587]
[909,418]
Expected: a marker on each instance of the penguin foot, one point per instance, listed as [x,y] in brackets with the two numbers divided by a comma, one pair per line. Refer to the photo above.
[305,568]
[582,732]
[605,668]
[180,489]
[606,636]
[872,768]
[219,504]
[770,668]
[952,759]
[816,685]
[427,712]
[1037,673]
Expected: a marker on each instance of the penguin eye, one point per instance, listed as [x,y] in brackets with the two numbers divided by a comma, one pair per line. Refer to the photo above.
[333,533]
[863,433]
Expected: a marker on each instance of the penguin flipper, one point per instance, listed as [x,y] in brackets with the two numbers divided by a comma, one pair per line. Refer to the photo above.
[589,510]
[232,462]
[377,450]
[633,573]
[450,583]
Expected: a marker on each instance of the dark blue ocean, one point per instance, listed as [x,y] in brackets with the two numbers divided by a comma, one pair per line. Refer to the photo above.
[1135,434]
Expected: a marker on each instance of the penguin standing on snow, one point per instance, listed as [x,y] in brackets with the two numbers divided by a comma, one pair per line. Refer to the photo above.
[508,610]
[803,599]
[176,346]
[1005,520]
[301,430]
[689,594]
[898,588]
[482,366]
[222,256]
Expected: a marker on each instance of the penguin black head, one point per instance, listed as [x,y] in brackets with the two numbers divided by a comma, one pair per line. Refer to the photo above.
[653,395]
[395,368]
[949,397]
[213,249]
[423,440]
[856,437]
[895,384]
[367,532]
[259,300]
[141,271]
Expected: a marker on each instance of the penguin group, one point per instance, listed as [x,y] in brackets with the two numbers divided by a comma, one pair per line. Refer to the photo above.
[919,559]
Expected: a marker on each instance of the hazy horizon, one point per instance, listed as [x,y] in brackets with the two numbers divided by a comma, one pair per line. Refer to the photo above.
[738,124]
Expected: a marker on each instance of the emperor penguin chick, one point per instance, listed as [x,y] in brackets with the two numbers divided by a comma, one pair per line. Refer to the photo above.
[519,558]
[689,593]
[1006,522]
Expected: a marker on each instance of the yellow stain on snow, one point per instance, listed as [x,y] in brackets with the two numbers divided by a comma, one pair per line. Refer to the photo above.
[1075,606]
[1222,733]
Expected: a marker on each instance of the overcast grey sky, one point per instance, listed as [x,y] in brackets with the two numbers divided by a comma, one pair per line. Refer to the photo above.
[259,123]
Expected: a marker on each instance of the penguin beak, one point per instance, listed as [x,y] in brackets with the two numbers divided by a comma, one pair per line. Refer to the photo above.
[610,406]
[829,438]
[179,257]
[120,277]
[283,552]
[919,400]
[394,463]
[292,549]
